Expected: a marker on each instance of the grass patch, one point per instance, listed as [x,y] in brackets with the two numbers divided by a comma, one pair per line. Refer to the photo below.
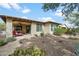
[6,40]
[10,39]
[2,42]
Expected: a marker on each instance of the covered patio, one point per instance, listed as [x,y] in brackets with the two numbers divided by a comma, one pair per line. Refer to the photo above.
[17,26]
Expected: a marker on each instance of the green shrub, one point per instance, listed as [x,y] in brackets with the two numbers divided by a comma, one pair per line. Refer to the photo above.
[73,38]
[2,42]
[10,39]
[41,34]
[71,32]
[36,35]
[32,51]
[59,31]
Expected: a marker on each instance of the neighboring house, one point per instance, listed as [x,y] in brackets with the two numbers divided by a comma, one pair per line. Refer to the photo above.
[27,26]
[63,26]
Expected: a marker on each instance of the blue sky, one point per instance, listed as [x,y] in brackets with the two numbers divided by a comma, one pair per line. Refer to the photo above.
[30,10]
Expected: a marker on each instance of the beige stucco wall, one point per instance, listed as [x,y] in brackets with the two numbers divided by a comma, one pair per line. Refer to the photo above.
[47,28]
[24,29]
[8,28]
[33,29]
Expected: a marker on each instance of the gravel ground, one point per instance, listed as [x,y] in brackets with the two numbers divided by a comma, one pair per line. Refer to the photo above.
[54,46]
[9,48]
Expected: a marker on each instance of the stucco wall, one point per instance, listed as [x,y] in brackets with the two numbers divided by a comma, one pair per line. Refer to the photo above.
[9,28]
[47,28]
[33,29]
[24,29]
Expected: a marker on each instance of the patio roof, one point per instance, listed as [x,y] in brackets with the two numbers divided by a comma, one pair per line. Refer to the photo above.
[17,18]
[4,17]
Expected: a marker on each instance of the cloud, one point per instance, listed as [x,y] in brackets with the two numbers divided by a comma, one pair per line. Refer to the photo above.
[44,19]
[58,13]
[5,5]
[15,6]
[24,17]
[10,5]
[26,11]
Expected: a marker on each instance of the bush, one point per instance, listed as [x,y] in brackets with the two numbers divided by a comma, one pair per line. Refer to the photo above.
[73,38]
[71,32]
[36,35]
[41,34]
[10,39]
[32,51]
[2,42]
[59,31]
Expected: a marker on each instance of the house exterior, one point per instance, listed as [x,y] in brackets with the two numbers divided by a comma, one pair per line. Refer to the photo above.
[27,26]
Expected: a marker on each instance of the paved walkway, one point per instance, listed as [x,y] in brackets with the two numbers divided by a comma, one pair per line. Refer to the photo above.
[11,46]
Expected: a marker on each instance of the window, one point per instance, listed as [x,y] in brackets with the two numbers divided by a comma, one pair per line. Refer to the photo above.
[39,27]
[53,26]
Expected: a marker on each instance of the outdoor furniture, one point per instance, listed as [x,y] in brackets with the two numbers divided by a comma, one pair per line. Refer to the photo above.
[15,33]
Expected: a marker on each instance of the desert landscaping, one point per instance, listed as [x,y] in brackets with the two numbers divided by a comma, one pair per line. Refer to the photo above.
[51,45]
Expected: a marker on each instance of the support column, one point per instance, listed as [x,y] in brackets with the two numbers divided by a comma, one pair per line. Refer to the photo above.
[47,28]
[33,28]
[9,28]
[24,29]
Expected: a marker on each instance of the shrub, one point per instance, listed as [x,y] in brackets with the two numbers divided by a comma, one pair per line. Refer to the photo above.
[59,31]
[73,38]
[23,41]
[10,39]
[32,51]
[41,34]
[71,32]
[2,42]
[36,35]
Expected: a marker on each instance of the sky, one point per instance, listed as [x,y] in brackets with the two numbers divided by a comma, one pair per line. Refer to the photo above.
[32,11]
